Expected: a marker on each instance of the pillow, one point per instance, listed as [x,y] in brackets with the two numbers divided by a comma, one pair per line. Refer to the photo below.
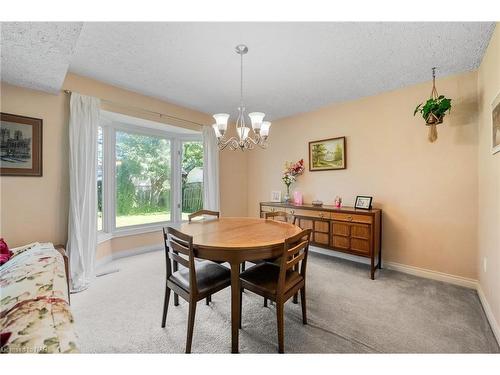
[5,253]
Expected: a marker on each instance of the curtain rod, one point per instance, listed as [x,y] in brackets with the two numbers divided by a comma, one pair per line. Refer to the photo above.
[143,110]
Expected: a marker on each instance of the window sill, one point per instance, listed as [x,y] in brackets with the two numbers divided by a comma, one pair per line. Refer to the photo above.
[103,237]
[136,230]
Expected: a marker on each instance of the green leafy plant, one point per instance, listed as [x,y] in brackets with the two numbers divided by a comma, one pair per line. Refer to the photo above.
[438,107]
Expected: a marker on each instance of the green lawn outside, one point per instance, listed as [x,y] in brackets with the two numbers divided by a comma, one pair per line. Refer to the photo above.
[157,217]
[127,220]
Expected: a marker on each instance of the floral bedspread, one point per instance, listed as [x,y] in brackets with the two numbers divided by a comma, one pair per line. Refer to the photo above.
[34,311]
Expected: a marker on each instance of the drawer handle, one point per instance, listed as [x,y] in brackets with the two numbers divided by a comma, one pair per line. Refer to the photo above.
[292,211]
[321,214]
[349,218]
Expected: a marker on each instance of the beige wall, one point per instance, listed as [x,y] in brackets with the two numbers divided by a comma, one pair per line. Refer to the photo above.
[489,179]
[428,192]
[36,208]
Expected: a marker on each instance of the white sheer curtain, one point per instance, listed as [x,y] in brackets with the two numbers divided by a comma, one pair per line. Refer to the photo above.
[82,242]
[210,170]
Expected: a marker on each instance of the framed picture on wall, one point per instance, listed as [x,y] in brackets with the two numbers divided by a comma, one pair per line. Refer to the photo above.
[495,125]
[363,202]
[327,154]
[20,146]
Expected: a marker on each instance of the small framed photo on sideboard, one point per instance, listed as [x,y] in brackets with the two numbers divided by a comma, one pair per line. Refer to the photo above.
[276,196]
[363,202]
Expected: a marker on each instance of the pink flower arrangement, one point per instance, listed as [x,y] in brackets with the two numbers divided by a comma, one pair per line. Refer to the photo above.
[291,172]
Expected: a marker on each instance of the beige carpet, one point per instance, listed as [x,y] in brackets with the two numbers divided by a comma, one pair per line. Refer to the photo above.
[348,313]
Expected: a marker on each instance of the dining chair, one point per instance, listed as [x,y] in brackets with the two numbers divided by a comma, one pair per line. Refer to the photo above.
[280,282]
[280,215]
[190,217]
[202,213]
[195,281]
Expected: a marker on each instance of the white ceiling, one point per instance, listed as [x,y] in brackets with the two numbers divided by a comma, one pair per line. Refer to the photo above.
[290,67]
[37,55]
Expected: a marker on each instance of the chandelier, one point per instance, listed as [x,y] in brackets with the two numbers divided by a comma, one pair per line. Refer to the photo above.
[246,137]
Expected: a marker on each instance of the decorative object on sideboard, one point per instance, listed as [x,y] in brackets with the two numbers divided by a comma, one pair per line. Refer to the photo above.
[434,110]
[363,202]
[327,154]
[276,196]
[290,174]
[297,198]
[495,125]
[246,137]
[21,145]
[338,201]
[317,203]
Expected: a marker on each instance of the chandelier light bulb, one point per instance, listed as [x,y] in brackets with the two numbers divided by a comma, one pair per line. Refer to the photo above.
[256,118]
[264,129]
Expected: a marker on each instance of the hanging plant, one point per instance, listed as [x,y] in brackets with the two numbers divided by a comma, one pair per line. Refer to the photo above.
[434,109]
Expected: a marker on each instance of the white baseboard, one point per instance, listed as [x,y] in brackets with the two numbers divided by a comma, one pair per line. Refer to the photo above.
[495,327]
[128,253]
[430,274]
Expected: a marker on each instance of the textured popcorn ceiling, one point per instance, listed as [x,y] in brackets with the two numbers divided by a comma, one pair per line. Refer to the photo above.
[290,68]
[37,55]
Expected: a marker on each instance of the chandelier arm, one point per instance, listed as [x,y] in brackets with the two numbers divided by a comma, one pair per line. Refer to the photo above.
[231,142]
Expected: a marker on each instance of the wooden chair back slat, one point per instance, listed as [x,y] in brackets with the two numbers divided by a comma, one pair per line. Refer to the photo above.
[276,214]
[291,263]
[177,258]
[176,246]
[295,251]
[177,242]
[203,212]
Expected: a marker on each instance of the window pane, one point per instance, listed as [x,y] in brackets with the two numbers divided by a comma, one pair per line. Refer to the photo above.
[192,178]
[99,171]
[142,179]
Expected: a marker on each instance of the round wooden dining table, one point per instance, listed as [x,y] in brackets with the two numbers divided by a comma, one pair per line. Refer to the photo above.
[236,240]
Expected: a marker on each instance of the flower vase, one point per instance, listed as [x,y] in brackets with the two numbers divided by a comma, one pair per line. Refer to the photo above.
[287,194]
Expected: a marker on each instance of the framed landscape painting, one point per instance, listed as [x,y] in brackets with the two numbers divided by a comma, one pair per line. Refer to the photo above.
[20,146]
[495,118]
[327,154]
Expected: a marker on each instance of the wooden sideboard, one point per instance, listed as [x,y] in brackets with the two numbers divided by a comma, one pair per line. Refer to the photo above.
[346,229]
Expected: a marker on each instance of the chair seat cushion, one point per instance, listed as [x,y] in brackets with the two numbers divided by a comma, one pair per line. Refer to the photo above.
[264,277]
[209,276]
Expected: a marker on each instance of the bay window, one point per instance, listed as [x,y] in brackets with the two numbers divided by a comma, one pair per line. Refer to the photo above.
[147,177]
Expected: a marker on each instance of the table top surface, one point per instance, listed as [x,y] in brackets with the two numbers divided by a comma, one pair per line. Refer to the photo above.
[238,232]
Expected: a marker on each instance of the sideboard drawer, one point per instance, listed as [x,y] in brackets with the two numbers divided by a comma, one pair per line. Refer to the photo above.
[271,209]
[341,242]
[359,245]
[309,213]
[352,217]
[341,229]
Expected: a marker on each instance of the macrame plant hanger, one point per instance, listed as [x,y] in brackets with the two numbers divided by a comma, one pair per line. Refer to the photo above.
[432,120]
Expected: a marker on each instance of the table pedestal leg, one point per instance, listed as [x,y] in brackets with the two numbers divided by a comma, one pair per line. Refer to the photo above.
[235,305]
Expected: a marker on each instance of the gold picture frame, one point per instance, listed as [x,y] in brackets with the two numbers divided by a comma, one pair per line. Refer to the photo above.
[495,125]
[327,154]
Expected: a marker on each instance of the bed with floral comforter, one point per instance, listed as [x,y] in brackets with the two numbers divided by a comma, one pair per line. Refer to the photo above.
[35,316]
